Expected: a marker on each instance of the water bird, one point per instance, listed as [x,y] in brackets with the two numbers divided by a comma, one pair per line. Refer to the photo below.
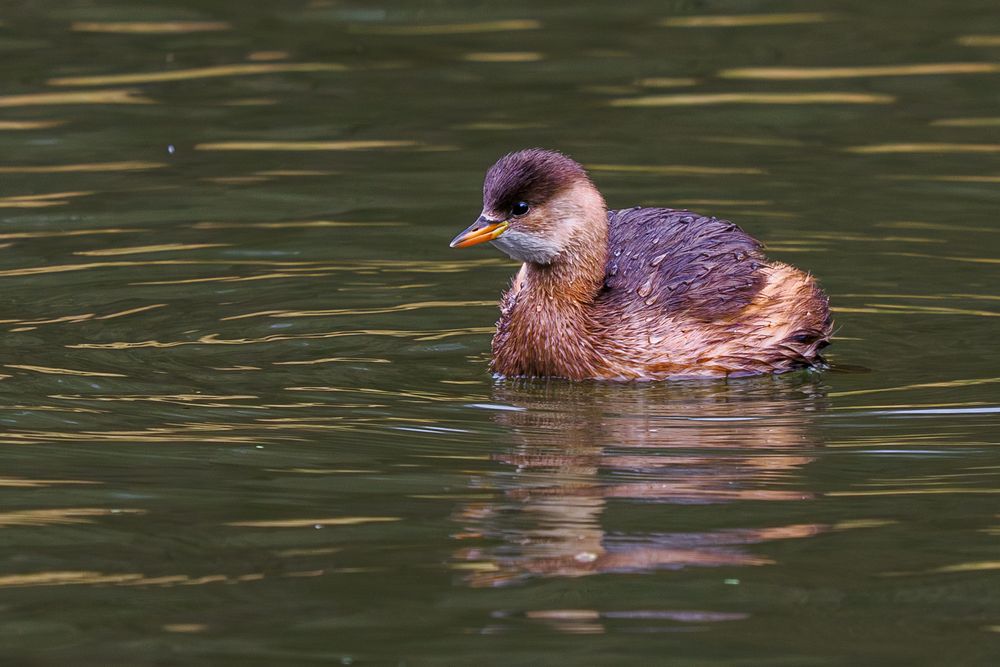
[638,293]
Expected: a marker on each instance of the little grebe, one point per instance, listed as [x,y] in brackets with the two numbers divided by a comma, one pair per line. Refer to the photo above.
[641,293]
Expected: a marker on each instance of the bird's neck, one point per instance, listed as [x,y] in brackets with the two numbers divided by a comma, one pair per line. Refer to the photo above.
[577,272]
[551,317]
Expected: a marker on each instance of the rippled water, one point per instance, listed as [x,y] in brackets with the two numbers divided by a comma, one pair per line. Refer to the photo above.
[246,413]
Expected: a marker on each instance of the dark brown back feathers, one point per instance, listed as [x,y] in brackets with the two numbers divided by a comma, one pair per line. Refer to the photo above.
[533,175]
[681,262]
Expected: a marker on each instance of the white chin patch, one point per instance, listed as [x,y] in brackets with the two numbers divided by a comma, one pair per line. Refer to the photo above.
[526,247]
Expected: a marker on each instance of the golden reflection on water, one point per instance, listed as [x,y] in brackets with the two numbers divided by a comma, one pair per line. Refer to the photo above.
[63,268]
[667,82]
[899,439]
[593,621]
[828,236]
[927,147]
[54,320]
[242,69]
[184,627]
[946,178]
[503,57]
[573,454]
[303,224]
[27,202]
[114,96]
[63,371]
[204,400]
[419,396]
[59,517]
[918,224]
[267,56]
[305,145]
[707,99]
[87,167]
[939,297]
[82,317]
[61,578]
[331,360]
[398,308]
[448,28]
[950,258]
[323,471]
[946,384]
[48,196]
[677,170]
[41,200]
[180,434]
[22,483]
[213,339]
[979,40]
[746,20]
[310,523]
[250,102]
[18,125]
[801,73]
[138,250]
[986,121]
[975,566]
[959,490]
[303,267]
[297,172]
[232,279]
[89,578]
[889,308]
[149,27]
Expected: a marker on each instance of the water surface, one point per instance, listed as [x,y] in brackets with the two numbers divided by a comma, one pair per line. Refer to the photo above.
[246,413]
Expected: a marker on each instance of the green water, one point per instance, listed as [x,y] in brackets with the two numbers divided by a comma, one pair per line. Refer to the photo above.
[246,417]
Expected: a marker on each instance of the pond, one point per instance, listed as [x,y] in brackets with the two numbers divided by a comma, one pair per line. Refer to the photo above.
[246,414]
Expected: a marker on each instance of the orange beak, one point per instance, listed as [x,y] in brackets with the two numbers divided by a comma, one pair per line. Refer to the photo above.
[482,230]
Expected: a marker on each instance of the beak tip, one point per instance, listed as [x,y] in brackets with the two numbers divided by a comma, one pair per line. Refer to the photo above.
[479,232]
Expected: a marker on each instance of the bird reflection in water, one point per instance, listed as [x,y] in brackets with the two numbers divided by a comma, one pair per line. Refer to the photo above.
[581,449]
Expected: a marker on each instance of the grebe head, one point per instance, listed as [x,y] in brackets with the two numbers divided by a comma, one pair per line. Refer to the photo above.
[536,205]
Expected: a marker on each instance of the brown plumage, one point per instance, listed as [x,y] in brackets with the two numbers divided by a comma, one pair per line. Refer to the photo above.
[641,293]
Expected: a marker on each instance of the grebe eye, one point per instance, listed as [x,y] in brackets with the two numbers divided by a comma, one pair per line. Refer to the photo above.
[519,209]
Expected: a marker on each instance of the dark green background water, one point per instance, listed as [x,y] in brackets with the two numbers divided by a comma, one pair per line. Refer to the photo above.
[246,414]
